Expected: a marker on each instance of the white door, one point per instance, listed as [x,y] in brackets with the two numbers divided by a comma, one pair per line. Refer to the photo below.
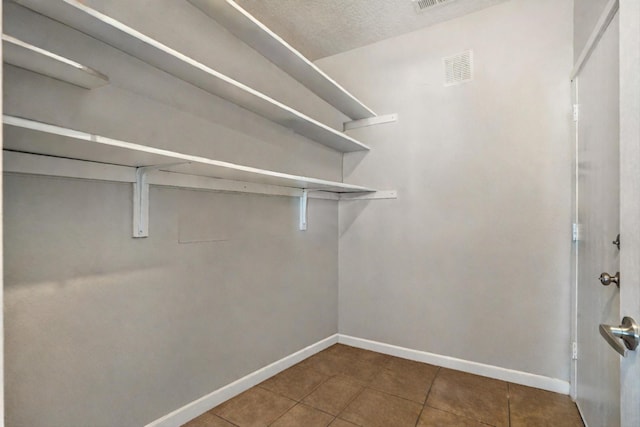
[630,201]
[599,218]
[608,202]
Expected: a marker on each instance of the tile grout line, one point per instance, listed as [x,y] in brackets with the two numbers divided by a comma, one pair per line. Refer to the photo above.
[213,415]
[351,401]
[274,392]
[444,410]
[299,402]
[509,404]
[318,386]
[371,387]
[427,396]
[317,409]
[462,416]
[223,418]
[290,398]
[283,414]
[471,418]
[393,395]
[364,384]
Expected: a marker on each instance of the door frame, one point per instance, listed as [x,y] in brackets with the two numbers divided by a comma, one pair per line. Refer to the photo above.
[1,250]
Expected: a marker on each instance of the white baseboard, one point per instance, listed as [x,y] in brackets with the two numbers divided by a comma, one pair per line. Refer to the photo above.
[510,375]
[213,399]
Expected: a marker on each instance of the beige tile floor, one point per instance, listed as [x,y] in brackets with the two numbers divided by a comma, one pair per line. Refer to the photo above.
[345,387]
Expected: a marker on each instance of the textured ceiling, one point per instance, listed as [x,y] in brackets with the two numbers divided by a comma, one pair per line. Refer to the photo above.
[320,28]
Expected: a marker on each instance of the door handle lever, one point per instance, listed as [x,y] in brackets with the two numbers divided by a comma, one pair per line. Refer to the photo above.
[628,332]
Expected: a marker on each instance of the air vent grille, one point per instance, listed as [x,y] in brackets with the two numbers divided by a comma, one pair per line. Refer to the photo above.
[422,5]
[458,68]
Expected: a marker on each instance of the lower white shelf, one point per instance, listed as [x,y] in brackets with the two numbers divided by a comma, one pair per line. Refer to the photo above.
[39,148]
[29,136]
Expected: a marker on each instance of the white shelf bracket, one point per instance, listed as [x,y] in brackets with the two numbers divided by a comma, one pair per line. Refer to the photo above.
[378,120]
[375,195]
[141,204]
[141,199]
[304,202]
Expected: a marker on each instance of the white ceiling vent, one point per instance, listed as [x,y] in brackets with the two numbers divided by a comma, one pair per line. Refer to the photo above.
[458,68]
[422,5]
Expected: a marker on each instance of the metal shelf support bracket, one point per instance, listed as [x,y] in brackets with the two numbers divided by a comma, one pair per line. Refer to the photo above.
[141,204]
[304,202]
[378,120]
[141,199]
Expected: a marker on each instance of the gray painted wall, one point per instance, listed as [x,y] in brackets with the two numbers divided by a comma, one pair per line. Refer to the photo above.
[472,259]
[106,330]
[103,329]
[586,14]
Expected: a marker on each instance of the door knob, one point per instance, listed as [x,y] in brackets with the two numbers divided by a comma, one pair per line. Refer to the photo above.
[606,279]
[628,332]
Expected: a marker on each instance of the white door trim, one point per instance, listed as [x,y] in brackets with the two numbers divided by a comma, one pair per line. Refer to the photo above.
[1,259]
[630,200]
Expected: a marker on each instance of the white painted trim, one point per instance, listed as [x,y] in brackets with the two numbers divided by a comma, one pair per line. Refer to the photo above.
[510,375]
[1,245]
[213,399]
[607,15]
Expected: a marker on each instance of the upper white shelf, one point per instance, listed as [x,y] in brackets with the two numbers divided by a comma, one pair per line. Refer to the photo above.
[253,32]
[32,58]
[102,27]
[34,137]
